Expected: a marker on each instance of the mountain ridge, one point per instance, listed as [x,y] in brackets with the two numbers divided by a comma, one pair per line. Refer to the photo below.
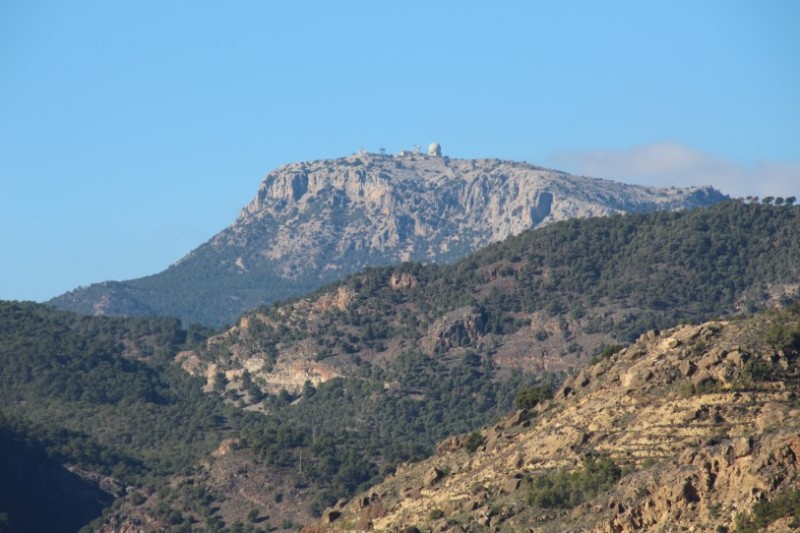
[313,222]
[421,352]
[539,301]
[377,364]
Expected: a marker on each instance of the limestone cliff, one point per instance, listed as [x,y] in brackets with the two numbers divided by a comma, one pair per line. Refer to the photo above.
[381,209]
[313,222]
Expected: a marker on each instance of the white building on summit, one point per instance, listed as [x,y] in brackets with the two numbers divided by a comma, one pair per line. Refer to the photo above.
[435,150]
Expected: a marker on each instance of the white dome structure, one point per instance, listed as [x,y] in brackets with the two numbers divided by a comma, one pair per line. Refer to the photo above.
[435,150]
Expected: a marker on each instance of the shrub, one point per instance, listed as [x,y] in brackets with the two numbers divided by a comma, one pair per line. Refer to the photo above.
[435,514]
[567,489]
[474,441]
[528,397]
[610,350]
[763,513]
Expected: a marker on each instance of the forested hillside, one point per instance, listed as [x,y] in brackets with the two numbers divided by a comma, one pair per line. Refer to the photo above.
[558,293]
[388,360]
[322,396]
[99,395]
[38,494]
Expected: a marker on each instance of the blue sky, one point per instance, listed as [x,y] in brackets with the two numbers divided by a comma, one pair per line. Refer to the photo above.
[132,132]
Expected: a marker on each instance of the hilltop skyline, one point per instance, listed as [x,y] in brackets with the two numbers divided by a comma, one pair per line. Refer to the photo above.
[132,134]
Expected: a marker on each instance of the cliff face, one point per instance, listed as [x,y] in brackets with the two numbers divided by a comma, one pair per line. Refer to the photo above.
[419,208]
[313,222]
[687,430]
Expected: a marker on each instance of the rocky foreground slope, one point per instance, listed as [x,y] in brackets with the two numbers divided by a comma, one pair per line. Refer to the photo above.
[313,222]
[692,429]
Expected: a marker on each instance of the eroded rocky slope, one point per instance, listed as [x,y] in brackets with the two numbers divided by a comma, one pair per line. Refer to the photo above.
[313,222]
[544,301]
[686,429]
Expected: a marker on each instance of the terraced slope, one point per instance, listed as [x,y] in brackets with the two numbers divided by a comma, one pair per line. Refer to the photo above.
[696,428]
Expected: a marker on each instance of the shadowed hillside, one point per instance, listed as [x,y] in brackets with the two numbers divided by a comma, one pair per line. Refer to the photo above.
[39,494]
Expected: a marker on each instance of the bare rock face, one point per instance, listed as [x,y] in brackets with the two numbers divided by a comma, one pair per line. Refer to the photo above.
[461,326]
[313,222]
[433,476]
[419,208]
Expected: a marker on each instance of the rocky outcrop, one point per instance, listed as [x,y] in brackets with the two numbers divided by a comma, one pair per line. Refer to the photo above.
[702,420]
[313,222]
[457,328]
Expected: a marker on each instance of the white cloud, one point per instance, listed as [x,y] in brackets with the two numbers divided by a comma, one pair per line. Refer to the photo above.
[666,164]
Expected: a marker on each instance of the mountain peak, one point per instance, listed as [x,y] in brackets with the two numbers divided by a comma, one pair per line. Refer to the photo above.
[315,221]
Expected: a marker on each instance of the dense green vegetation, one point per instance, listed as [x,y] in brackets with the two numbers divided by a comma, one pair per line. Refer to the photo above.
[38,494]
[102,392]
[567,489]
[785,504]
[662,267]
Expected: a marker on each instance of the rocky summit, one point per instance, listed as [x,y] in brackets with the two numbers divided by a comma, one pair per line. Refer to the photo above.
[690,429]
[313,222]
